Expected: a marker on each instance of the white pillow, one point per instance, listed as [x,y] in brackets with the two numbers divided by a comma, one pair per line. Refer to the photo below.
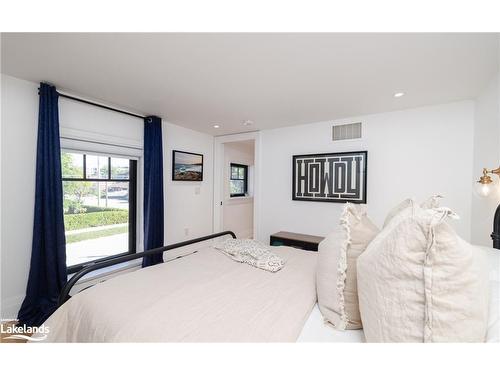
[431,202]
[420,282]
[396,210]
[336,272]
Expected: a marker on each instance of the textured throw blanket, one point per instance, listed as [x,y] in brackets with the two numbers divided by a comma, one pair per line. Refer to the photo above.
[251,252]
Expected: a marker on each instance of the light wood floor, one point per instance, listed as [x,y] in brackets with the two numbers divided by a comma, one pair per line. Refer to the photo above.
[3,336]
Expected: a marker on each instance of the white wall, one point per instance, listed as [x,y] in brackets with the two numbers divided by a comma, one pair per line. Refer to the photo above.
[411,153]
[18,148]
[185,207]
[238,211]
[486,155]
[188,204]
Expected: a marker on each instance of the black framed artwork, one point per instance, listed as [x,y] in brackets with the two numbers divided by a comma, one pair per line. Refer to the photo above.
[187,166]
[334,177]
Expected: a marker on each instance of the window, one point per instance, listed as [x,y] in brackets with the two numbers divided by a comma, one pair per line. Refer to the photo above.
[238,180]
[99,196]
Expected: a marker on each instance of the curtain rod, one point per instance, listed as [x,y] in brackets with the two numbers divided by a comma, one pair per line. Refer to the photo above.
[100,105]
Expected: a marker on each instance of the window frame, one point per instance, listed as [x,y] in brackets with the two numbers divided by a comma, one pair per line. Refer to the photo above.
[245,179]
[132,201]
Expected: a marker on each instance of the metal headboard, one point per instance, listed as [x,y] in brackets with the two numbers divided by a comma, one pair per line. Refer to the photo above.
[64,296]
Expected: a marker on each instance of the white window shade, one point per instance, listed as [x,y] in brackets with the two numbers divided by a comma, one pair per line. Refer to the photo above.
[92,129]
[85,141]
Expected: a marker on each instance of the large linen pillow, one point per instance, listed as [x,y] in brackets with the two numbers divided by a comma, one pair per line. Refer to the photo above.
[418,281]
[431,202]
[336,272]
[395,211]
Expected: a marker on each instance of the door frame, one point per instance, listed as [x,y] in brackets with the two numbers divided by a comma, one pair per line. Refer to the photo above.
[218,198]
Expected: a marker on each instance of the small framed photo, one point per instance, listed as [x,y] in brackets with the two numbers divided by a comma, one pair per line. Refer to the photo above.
[187,166]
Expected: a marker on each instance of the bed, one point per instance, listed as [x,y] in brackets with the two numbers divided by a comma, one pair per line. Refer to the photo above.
[204,296]
[201,295]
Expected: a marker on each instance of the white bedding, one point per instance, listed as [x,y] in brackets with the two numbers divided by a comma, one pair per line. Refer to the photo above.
[234,302]
[203,297]
[317,330]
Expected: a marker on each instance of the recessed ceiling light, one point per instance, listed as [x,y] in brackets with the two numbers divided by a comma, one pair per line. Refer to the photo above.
[247,123]
[216,126]
[399,94]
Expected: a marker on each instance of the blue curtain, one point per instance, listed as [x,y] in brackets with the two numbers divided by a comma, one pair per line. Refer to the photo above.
[153,189]
[48,273]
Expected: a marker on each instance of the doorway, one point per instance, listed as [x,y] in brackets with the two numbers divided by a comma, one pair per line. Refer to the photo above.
[236,184]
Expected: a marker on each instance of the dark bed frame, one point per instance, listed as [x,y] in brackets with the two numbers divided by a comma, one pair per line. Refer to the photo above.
[495,236]
[64,296]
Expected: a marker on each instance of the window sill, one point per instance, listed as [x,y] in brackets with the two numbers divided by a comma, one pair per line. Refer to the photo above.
[104,272]
[239,200]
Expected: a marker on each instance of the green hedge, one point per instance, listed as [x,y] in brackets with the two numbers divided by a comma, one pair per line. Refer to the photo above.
[95,219]
[89,209]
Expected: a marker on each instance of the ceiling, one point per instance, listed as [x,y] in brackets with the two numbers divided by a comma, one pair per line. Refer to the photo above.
[198,80]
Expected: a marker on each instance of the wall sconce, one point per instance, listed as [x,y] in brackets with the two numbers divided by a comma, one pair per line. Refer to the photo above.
[486,184]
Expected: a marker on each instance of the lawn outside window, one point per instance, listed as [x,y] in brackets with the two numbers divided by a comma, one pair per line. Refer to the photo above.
[99,198]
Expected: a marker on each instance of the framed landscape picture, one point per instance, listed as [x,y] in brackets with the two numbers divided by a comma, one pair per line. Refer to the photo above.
[187,166]
[335,177]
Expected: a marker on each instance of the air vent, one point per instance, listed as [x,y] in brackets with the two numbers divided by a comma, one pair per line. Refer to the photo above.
[347,131]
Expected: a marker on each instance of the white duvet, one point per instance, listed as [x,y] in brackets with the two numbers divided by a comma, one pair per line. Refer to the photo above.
[203,297]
